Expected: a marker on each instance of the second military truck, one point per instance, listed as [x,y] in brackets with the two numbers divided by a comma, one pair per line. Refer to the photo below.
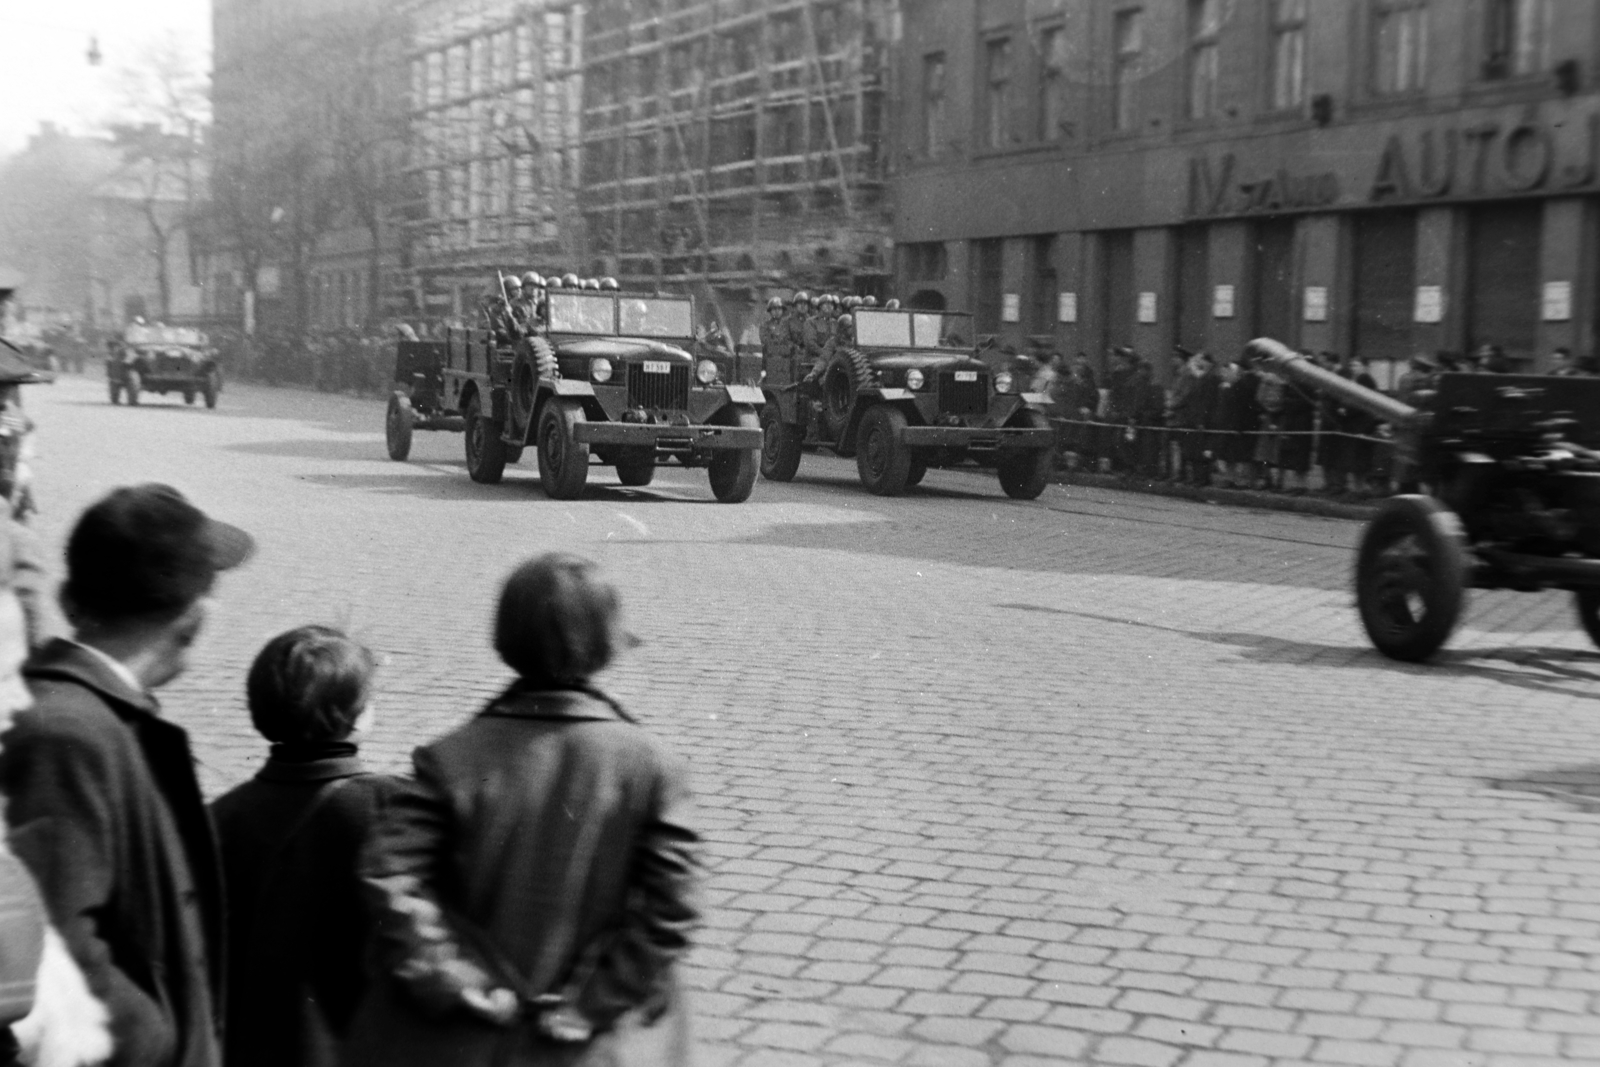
[902,391]
[598,374]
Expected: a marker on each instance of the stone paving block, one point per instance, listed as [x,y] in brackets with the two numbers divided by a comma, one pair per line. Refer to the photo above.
[956,1030]
[1136,1052]
[1043,1041]
[1274,1043]
[792,1036]
[1176,1032]
[946,1056]
[1358,1053]
[873,1048]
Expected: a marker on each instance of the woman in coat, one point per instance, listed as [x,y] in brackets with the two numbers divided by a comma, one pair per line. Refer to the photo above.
[534,885]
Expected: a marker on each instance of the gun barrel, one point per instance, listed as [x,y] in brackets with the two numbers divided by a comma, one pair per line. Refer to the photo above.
[1281,359]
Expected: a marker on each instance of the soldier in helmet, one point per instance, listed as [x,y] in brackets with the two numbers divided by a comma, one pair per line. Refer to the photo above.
[532,299]
[609,285]
[775,351]
[794,320]
[869,301]
[818,333]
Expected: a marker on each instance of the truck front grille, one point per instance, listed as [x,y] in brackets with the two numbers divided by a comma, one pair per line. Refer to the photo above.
[668,392]
[963,398]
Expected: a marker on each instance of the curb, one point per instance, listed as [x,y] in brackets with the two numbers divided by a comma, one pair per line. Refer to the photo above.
[1242,498]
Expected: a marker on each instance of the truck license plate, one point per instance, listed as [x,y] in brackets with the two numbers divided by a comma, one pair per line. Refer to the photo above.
[966,375]
[656,366]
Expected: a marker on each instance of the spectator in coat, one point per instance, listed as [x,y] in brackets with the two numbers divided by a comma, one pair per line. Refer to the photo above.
[1360,426]
[535,883]
[1297,420]
[291,839]
[1149,416]
[1079,399]
[1236,418]
[1193,399]
[101,794]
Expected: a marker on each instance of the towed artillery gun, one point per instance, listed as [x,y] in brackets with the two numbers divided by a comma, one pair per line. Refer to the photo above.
[1514,470]
[599,374]
[901,392]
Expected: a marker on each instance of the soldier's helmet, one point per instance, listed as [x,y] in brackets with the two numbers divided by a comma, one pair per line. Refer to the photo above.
[869,301]
[513,284]
[775,304]
[852,302]
[801,298]
[817,301]
[532,280]
[570,280]
[844,322]
[893,304]
[830,298]
[609,285]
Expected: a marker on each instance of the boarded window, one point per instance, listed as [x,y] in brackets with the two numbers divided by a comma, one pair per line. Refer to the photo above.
[1503,277]
[987,276]
[1384,284]
[1193,292]
[1117,304]
[1274,280]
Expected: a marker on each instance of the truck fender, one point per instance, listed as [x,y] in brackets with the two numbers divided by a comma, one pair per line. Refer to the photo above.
[883,393]
[1038,400]
[745,394]
[572,387]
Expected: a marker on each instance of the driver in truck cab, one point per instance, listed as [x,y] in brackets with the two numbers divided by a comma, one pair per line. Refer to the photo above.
[819,334]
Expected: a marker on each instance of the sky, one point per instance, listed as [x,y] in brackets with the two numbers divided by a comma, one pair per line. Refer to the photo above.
[44,72]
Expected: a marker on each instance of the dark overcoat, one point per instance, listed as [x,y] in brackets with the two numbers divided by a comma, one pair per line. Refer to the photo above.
[298,929]
[544,843]
[106,812]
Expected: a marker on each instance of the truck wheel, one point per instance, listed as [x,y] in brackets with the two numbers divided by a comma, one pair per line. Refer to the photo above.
[1023,475]
[116,392]
[131,383]
[563,461]
[188,396]
[917,471]
[636,466]
[780,446]
[397,423]
[212,387]
[1588,604]
[1411,573]
[486,453]
[733,470]
[883,462]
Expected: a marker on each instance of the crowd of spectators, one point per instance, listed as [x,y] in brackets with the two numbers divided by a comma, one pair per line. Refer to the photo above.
[1224,423]
[334,360]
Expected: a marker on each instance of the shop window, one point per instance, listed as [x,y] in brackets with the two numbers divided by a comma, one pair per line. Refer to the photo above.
[1516,38]
[997,112]
[925,261]
[1503,276]
[1042,251]
[1053,123]
[1400,46]
[1128,44]
[987,279]
[1288,56]
[1384,284]
[1205,25]
[934,131]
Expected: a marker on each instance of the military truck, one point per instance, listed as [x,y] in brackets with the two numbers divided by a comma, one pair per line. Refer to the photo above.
[901,392]
[162,359]
[598,376]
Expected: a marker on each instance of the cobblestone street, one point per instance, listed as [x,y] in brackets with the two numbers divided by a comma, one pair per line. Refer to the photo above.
[1098,779]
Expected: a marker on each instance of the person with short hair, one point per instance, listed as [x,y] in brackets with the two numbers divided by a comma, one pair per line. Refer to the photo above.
[535,882]
[291,838]
[101,793]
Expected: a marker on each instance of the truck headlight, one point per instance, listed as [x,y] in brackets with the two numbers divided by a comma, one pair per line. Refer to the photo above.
[914,379]
[706,371]
[1003,382]
[600,369]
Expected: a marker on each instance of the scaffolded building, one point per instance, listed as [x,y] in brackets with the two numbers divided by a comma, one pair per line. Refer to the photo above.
[731,147]
[494,127]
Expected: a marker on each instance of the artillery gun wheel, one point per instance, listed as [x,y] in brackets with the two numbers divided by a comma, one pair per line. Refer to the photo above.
[883,462]
[733,470]
[1411,573]
[1023,475]
[636,466]
[780,446]
[1588,605]
[212,387]
[486,453]
[397,425]
[563,461]
[116,392]
[131,383]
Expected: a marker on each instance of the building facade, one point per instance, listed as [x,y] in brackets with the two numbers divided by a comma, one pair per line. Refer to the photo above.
[732,147]
[1376,177]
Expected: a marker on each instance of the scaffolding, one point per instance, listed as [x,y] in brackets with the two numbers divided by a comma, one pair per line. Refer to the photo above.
[494,128]
[737,145]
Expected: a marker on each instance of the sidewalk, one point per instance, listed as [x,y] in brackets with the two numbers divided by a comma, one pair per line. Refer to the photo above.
[1308,504]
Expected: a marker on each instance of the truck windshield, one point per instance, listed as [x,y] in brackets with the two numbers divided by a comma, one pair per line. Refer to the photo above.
[163,335]
[656,317]
[940,329]
[583,313]
[883,329]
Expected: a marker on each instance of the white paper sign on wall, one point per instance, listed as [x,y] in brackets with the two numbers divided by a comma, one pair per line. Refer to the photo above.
[1222,302]
[1067,307]
[1430,304]
[1011,308]
[1316,303]
[1557,301]
[1147,307]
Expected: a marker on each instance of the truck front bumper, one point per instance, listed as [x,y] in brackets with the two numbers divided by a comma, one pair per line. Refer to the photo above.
[667,438]
[971,437]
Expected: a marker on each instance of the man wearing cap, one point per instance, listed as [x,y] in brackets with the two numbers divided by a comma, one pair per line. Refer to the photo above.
[101,793]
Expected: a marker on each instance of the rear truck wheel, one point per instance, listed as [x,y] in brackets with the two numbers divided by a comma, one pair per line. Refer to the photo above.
[780,446]
[563,461]
[116,392]
[636,466]
[733,470]
[397,426]
[212,387]
[1411,576]
[1023,475]
[131,383]
[883,461]
[917,471]
[1587,602]
[486,454]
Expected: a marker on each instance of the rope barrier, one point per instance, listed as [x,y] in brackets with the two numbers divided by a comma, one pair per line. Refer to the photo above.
[1240,433]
